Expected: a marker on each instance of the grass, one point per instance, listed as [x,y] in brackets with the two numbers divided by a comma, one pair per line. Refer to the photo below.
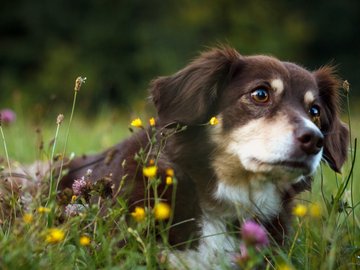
[39,235]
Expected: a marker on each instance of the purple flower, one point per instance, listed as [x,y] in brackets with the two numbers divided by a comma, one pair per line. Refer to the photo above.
[254,234]
[79,186]
[7,116]
[75,209]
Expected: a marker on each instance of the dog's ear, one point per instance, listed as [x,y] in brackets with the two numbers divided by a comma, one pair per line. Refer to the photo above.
[189,96]
[336,133]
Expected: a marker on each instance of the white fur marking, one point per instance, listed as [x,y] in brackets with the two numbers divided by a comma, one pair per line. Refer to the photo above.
[263,140]
[277,85]
[262,199]
[309,97]
[214,247]
[214,236]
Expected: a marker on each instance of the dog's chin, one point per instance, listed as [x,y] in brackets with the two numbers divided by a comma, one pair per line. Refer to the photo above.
[290,169]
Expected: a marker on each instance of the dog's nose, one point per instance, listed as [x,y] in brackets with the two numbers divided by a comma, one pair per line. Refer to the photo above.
[311,141]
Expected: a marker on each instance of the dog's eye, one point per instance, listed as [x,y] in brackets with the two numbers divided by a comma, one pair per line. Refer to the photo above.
[260,95]
[314,111]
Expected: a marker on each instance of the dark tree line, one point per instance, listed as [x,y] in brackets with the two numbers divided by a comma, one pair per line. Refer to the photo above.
[121,45]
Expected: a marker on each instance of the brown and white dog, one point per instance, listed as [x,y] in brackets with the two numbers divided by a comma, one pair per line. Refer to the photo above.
[277,121]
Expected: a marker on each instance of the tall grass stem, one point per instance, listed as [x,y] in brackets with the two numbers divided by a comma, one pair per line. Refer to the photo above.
[66,139]
[52,186]
[10,170]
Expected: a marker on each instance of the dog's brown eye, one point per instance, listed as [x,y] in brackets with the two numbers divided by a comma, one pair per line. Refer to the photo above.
[314,111]
[260,95]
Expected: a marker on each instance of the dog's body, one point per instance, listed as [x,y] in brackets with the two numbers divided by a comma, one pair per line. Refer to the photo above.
[276,122]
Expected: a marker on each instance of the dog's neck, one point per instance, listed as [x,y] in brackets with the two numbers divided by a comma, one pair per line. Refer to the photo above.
[224,187]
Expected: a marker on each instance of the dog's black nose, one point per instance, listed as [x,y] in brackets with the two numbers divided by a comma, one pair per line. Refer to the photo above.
[311,141]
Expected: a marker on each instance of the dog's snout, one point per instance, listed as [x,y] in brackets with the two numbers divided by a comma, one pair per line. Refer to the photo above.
[311,141]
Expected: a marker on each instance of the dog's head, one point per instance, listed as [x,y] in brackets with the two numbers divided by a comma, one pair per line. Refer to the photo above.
[274,116]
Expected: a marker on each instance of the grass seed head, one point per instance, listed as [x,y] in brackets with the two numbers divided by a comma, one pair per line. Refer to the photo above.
[78,82]
[59,119]
[346,86]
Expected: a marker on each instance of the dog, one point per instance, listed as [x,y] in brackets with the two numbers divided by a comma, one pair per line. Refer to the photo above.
[276,121]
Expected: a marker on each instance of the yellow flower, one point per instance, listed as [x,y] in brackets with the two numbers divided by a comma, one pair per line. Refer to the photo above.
[138,214]
[73,198]
[169,180]
[136,122]
[300,210]
[169,172]
[84,240]
[54,236]
[214,121]
[284,266]
[43,210]
[315,210]
[28,218]
[150,171]
[152,121]
[162,211]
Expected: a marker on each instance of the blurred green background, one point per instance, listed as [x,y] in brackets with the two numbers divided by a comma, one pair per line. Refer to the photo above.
[121,45]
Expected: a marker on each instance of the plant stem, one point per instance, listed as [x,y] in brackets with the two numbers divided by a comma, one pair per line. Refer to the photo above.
[52,187]
[66,140]
[13,201]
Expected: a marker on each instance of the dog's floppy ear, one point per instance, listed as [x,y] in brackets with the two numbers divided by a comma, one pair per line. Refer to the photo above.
[336,133]
[189,96]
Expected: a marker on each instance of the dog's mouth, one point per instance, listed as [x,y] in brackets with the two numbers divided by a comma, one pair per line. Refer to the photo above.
[288,165]
[292,165]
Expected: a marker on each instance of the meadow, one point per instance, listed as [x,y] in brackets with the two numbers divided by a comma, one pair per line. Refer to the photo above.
[37,234]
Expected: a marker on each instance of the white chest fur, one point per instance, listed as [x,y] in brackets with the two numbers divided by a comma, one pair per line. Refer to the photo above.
[261,199]
[217,244]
